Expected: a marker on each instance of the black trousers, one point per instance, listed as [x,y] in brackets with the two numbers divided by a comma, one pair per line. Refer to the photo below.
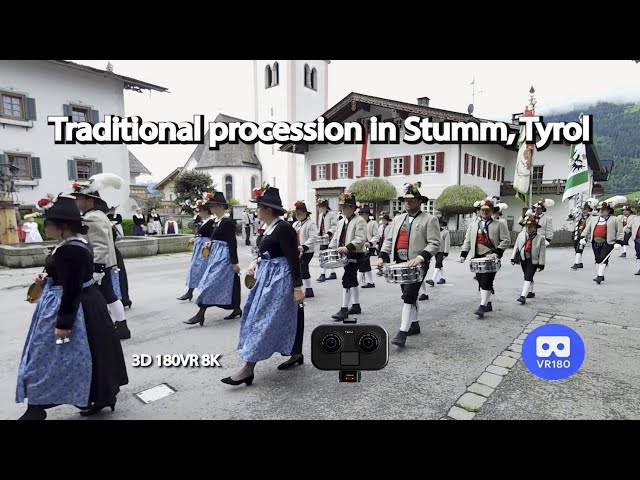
[439,258]
[601,250]
[364,265]
[410,292]
[350,276]
[637,244]
[106,287]
[529,269]
[305,260]
[485,280]
[297,344]
[577,247]
[124,281]
[247,231]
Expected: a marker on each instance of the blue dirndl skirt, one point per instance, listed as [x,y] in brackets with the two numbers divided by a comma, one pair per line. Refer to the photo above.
[51,373]
[137,231]
[115,281]
[270,315]
[217,282]
[198,263]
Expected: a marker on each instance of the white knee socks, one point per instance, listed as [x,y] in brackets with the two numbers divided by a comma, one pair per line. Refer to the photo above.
[423,288]
[346,297]
[355,295]
[116,311]
[324,271]
[601,267]
[485,295]
[406,317]
[436,274]
[624,249]
[368,277]
[306,282]
[532,286]
[525,288]
[414,312]
[578,258]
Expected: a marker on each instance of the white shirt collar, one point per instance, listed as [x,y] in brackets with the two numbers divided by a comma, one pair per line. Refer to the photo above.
[269,228]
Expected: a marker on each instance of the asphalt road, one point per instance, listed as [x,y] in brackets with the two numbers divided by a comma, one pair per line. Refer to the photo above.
[422,381]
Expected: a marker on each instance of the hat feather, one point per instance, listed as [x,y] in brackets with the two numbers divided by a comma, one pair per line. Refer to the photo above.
[549,203]
[101,181]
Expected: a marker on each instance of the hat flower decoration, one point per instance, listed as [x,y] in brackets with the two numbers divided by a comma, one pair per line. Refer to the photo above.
[299,203]
[207,196]
[347,196]
[258,192]
[45,203]
[412,188]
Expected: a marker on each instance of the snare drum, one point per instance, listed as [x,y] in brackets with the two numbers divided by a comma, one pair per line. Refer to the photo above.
[484,265]
[403,274]
[332,259]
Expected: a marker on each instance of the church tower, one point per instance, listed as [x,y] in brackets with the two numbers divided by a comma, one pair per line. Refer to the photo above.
[288,91]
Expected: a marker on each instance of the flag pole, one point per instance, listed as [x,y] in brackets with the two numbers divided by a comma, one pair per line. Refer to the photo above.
[532,104]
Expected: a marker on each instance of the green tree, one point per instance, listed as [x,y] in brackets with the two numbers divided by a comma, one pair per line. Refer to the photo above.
[373,190]
[190,186]
[458,199]
[234,201]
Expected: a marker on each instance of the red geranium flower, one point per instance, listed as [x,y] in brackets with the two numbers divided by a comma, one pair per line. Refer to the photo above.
[75,185]
[256,192]
[209,196]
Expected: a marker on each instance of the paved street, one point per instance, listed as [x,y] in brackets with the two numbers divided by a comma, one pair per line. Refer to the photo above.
[426,380]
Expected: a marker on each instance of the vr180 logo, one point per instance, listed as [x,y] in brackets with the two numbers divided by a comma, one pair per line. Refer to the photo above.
[553,352]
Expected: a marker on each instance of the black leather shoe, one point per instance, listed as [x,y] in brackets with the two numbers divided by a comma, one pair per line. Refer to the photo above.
[308,293]
[127,304]
[355,309]
[430,282]
[423,296]
[575,266]
[34,412]
[599,280]
[341,315]
[235,314]
[228,381]
[400,339]
[321,278]
[369,285]
[291,362]
[522,300]
[197,318]
[441,281]
[122,331]
[480,311]
[95,408]
[488,307]
[531,295]
[414,329]
[186,296]
[580,265]
[333,276]
[637,273]
[624,255]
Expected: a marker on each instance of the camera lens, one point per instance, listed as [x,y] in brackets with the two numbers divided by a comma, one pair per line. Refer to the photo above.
[331,343]
[368,343]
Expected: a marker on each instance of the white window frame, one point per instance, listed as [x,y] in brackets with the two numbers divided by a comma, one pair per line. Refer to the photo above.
[343,170]
[77,109]
[397,166]
[429,207]
[534,171]
[429,163]
[321,172]
[369,168]
[395,206]
[22,105]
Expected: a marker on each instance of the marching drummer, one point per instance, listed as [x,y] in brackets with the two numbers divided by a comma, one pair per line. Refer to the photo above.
[486,239]
[327,224]
[445,244]
[529,251]
[349,240]
[384,231]
[415,239]
[373,237]
[306,232]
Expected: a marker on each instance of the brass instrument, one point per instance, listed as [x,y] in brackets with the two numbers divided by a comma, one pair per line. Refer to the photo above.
[205,251]
[249,281]
[190,246]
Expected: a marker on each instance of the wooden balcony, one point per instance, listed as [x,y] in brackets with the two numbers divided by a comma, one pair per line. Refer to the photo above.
[139,191]
[547,187]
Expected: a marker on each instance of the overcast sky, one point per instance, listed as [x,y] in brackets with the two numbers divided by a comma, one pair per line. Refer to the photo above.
[209,87]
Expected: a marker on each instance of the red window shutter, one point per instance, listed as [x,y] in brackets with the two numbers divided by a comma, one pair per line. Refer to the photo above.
[334,171]
[502,176]
[350,170]
[313,173]
[376,167]
[417,164]
[473,165]
[484,169]
[440,162]
[466,163]
[479,169]
[327,171]
[489,171]
[387,167]
[495,171]
[407,165]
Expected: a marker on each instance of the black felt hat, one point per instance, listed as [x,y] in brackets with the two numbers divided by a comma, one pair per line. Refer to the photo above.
[64,208]
[217,199]
[270,197]
[348,199]
[300,206]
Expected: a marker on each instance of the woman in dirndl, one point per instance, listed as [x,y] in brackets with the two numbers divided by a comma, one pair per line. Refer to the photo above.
[72,354]
[220,283]
[273,315]
[199,263]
